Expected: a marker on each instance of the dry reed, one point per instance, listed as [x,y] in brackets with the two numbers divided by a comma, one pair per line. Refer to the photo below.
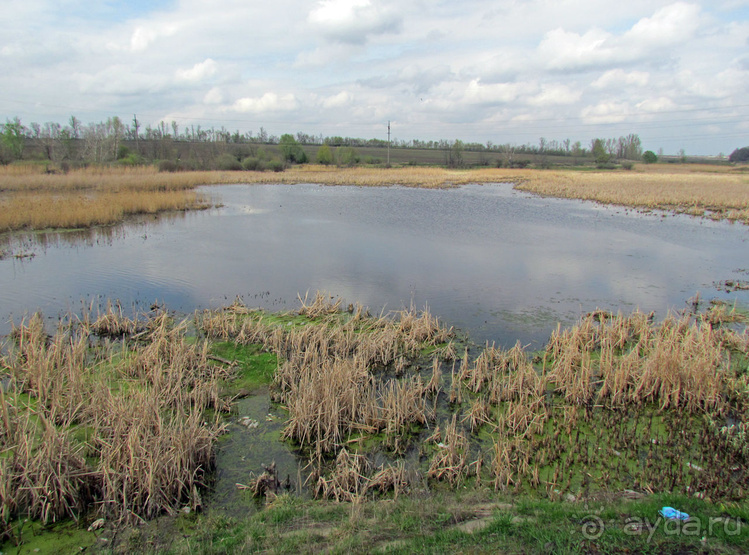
[723,195]
[146,441]
[450,461]
[31,199]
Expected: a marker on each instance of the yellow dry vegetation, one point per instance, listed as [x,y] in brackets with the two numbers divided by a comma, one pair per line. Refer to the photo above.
[33,199]
[691,189]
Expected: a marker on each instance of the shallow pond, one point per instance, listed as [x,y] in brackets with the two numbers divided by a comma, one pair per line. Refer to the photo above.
[497,263]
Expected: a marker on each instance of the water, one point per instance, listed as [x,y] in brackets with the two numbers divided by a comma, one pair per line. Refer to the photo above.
[499,264]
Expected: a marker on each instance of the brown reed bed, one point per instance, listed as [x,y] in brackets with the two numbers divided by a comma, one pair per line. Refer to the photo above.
[554,425]
[720,195]
[121,430]
[340,378]
[33,199]
[614,402]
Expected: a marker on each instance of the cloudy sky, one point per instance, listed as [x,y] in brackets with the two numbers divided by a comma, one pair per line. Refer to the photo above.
[506,71]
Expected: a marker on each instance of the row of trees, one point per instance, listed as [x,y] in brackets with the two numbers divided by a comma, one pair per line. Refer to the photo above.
[106,141]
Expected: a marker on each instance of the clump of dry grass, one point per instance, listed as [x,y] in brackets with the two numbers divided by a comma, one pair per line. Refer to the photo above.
[112,322]
[679,363]
[390,477]
[450,461]
[267,484]
[479,414]
[325,402]
[348,481]
[321,305]
[511,462]
[150,461]
[146,445]
[523,419]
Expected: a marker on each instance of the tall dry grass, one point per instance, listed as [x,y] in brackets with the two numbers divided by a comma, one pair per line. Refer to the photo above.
[33,199]
[335,378]
[121,429]
[89,197]
[720,195]
[36,210]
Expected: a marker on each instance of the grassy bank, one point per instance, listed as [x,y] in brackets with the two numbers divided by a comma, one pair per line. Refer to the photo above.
[32,199]
[468,521]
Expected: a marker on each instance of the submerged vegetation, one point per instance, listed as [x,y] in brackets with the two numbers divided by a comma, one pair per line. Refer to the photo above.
[119,417]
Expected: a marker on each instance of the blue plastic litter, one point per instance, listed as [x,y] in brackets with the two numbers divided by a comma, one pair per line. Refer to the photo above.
[672,514]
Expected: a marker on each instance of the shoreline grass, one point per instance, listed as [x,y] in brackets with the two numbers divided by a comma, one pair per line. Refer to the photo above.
[31,199]
[718,195]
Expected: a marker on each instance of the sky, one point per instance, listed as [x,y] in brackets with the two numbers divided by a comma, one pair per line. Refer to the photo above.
[500,71]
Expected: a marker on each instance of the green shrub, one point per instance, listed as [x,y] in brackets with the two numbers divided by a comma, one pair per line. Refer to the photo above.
[132,159]
[253,164]
[291,150]
[168,166]
[240,152]
[276,166]
[347,156]
[739,155]
[122,152]
[324,155]
[649,157]
[628,165]
[227,162]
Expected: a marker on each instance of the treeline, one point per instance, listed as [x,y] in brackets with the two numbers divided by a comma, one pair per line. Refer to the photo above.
[196,147]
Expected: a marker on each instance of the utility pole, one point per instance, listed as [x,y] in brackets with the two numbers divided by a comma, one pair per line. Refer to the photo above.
[136,124]
[388,143]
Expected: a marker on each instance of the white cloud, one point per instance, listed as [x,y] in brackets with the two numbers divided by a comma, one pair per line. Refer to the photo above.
[672,24]
[322,56]
[269,102]
[561,49]
[567,50]
[659,104]
[617,78]
[727,83]
[441,70]
[11,50]
[120,80]
[144,36]
[354,21]
[339,100]
[198,72]
[555,95]
[499,93]
[214,96]
[605,112]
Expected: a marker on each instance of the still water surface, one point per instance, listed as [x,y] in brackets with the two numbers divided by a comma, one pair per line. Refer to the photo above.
[497,263]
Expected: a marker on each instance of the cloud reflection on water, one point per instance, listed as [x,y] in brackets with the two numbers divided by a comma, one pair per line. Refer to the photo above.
[501,265]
